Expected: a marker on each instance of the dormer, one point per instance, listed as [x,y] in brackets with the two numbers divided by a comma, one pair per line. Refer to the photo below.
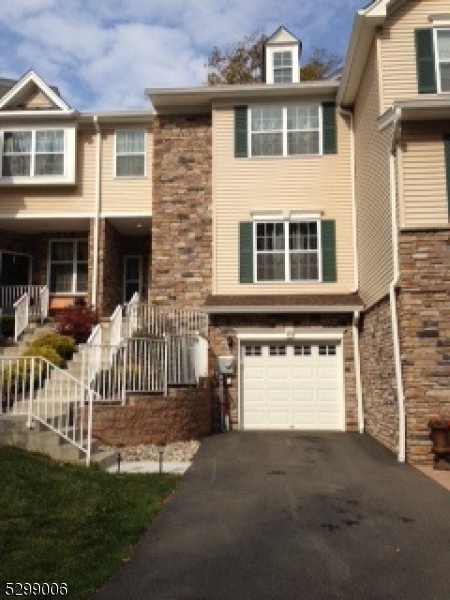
[37,135]
[282,56]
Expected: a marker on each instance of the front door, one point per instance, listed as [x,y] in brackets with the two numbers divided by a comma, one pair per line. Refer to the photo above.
[132,276]
[15,269]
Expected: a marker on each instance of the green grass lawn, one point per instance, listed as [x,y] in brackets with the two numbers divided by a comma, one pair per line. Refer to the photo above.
[70,525]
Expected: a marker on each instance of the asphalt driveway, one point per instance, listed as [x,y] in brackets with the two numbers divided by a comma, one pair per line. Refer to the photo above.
[294,516]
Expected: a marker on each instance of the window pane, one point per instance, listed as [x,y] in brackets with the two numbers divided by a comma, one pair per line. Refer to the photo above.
[17,141]
[282,75]
[270,236]
[49,164]
[130,166]
[132,268]
[267,144]
[62,251]
[304,266]
[443,41]
[50,141]
[303,236]
[303,142]
[445,77]
[268,118]
[282,59]
[303,117]
[82,250]
[61,278]
[82,279]
[130,142]
[270,267]
[16,165]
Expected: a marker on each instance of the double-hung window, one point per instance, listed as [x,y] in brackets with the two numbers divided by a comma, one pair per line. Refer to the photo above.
[33,153]
[442,45]
[286,130]
[282,67]
[68,266]
[130,153]
[287,251]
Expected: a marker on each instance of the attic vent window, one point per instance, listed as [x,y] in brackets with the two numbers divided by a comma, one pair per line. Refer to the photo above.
[282,67]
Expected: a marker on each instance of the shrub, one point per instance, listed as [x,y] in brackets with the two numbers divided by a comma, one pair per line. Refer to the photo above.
[63,344]
[45,352]
[76,322]
[7,325]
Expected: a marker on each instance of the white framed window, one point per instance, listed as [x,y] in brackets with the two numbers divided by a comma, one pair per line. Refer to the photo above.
[287,251]
[291,130]
[282,66]
[442,51]
[130,153]
[33,153]
[68,266]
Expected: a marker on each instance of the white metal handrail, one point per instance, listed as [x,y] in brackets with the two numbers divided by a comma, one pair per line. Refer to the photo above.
[44,302]
[131,315]
[34,387]
[21,315]
[157,321]
[116,326]
[91,356]
[9,294]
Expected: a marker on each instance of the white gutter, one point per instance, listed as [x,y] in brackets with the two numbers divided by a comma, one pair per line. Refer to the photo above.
[97,212]
[393,297]
[359,395]
[349,114]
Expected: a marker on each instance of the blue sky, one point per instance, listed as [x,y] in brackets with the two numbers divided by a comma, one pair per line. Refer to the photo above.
[103,53]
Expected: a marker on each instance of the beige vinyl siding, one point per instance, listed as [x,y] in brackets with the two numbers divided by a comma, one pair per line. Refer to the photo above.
[398,48]
[312,184]
[121,195]
[58,199]
[374,229]
[37,100]
[425,202]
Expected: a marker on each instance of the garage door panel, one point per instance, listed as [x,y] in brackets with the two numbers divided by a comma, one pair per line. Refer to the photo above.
[284,388]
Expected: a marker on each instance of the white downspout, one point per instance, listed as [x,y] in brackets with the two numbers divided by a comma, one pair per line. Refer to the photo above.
[349,114]
[393,298]
[355,329]
[97,212]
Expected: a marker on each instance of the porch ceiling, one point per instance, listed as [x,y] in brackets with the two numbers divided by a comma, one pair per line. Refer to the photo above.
[136,225]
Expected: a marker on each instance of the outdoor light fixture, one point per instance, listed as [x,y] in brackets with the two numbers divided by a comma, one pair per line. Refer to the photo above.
[160,448]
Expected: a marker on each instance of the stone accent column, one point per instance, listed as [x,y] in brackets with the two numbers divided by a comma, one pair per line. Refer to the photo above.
[110,269]
[182,211]
[378,375]
[424,315]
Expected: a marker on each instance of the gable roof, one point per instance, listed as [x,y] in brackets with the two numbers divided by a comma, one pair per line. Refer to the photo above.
[26,86]
[282,35]
[363,31]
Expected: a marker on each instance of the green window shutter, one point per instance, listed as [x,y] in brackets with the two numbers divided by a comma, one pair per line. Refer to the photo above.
[447,167]
[329,128]
[328,250]
[426,72]
[246,252]
[240,132]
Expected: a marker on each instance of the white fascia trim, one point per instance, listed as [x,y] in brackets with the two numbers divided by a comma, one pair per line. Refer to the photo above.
[31,76]
[297,334]
[223,310]
[439,19]
[386,119]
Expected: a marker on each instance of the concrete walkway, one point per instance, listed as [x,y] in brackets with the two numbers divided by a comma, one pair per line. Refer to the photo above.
[294,516]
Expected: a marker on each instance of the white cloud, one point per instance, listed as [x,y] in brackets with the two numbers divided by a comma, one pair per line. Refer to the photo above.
[103,53]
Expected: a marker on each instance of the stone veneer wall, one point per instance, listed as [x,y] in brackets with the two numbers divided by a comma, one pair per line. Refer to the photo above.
[182,416]
[378,375]
[223,326]
[182,211]
[424,316]
[110,269]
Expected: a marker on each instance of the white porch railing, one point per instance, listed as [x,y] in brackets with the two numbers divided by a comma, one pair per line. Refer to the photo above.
[21,315]
[91,356]
[34,387]
[116,326]
[158,321]
[38,294]
[131,315]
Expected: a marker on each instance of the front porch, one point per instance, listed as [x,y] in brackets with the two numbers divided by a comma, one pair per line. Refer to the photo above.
[99,264]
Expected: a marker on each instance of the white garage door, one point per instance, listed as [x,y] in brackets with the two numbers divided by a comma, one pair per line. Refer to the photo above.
[292,386]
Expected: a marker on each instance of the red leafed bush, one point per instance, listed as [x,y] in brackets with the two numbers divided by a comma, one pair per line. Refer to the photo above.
[77,322]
